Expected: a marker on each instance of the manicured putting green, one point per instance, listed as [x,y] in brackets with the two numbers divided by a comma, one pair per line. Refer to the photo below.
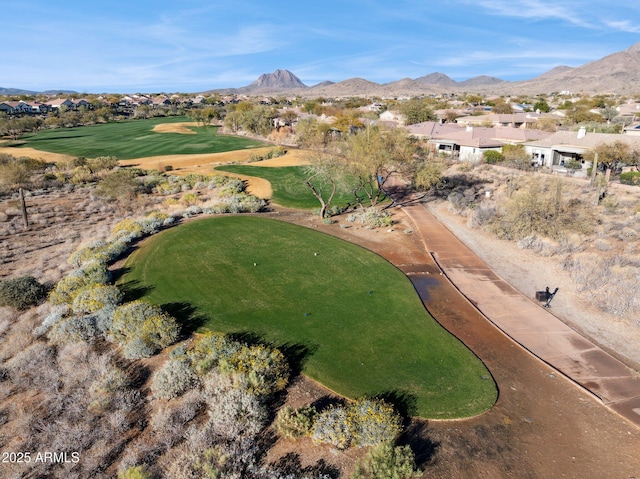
[134,139]
[357,317]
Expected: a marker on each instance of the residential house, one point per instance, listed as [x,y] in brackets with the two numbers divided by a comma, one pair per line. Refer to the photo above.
[82,103]
[513,120]
[19,106]
[393,116]
[468,143]
[562,146]
[160,101]
[58,103]
[5,107]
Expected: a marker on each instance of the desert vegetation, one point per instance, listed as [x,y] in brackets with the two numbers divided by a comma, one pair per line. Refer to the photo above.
[591,235]
[203,408]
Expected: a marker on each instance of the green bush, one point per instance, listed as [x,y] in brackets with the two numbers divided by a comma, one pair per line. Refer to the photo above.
[135,472]
[388,462]
[142,329]
[630,178]
[492,157]
[259,370]
[332,426]
[209,349]
[573,164]
[102,163]
[373,422]
[68,287]
[22,292]
[294,423]
[365,422]
[94,297]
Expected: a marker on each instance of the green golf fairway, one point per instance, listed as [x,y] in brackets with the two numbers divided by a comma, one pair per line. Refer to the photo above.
[358,321]
[134,139]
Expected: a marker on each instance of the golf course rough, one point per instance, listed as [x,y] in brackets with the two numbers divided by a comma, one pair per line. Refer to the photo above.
[354,321]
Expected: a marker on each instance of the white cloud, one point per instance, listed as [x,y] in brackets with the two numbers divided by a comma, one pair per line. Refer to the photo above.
[623,26]
[567,11]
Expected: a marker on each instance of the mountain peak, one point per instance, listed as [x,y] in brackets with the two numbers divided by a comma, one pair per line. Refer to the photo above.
[278,80]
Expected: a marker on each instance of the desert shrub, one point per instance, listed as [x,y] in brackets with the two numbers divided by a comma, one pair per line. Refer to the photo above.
[167,187]
[173,379]
[190,199]
[135,472]
[22,292]
[170,421]
[232,186]
[630,178]
[233,413]
[80,175]
[68,287]
[610,203]
[294,423]
[573,164]
[388,462]
[102,163]
[98,251]
[208,349]
[588,271]
[93,298]
[492,157]
[16,171]
[373,422]
[365,422]
[540,209]
[142,329]
[191,211]
[371,218]
[74,329]
[31,365]
[260,370]
[332,426]
[128,227]
[55,314]
[482,215]
[111,380]
[119,184]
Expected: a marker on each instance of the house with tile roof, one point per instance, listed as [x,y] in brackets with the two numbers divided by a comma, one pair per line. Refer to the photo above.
[563,146]
[468,143]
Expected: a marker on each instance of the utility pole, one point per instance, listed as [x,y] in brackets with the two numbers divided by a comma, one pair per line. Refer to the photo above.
[23,207]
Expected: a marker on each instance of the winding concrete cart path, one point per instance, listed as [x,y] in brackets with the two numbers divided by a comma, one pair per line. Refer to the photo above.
[527,322]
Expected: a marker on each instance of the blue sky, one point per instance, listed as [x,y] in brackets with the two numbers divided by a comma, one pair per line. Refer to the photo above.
[196,45]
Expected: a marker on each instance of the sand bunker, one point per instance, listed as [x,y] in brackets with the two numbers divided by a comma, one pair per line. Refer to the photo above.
[182,127]
[36,154]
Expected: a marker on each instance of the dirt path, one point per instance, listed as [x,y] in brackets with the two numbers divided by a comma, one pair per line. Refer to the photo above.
[542,426]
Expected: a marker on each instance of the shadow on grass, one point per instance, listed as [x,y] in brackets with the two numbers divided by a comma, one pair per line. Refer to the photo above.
[118,273]
[404,403]
[189,318]
[134,290]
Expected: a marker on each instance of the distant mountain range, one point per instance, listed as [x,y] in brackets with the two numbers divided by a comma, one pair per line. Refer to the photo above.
[18,91]
[615,73]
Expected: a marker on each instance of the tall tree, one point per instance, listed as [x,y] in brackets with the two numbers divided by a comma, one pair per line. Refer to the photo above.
[373,155]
